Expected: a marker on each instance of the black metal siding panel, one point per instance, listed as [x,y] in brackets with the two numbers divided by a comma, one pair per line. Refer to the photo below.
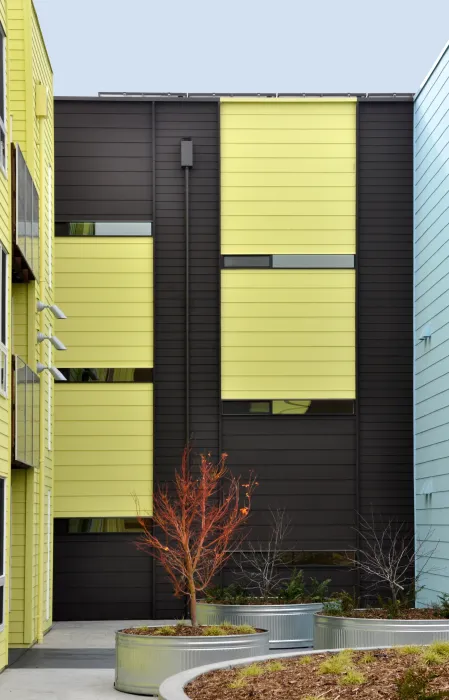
[303,465]
[174,121]
[385,351]
[100,577]
[103,161]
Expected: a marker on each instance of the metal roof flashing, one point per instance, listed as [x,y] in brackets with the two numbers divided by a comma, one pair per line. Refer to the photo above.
[432,70]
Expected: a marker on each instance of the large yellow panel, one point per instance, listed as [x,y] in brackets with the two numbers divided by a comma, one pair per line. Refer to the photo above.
[288,334]
[104,449]
[106,289]
[288,176]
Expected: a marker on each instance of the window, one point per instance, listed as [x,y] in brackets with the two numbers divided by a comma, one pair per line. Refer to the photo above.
[96,525]
[50,226]
[2,550]
[245,261]
[2,100]
[26,415]
[3,322]
[301,559]
[141,375]
[47,602]
[103,228]
[285,407]
[26,214]
[290,262]
[49,393]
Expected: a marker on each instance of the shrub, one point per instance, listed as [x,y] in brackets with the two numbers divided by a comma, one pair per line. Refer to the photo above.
[352,677]
[337,663]
[409,649]
[414,685]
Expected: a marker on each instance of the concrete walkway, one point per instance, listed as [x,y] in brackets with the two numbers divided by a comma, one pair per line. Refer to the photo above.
[75,662]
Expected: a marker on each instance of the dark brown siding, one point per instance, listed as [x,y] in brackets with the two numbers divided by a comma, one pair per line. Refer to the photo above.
[303,465]
[100,576]
[103,161]
[385,283]
[175,121]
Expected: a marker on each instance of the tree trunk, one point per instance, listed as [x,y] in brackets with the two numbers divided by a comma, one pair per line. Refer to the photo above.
[192,596]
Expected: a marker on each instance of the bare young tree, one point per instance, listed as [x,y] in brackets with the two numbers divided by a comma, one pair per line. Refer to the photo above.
[388,556]
[258,566]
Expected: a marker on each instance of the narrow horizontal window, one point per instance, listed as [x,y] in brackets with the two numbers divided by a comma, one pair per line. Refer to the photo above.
[103,228]
[245,261]
[314,261]
[288,407]
[101,375]
[75,526]
[318,558]
[242,407]
[312,406]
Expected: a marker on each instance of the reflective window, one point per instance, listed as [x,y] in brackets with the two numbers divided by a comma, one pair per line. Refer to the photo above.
[104,375]
[93,525]
[314,261]
[103,228]
[27,214]
[26,415]
[318,558]
[290,407]
[246,261]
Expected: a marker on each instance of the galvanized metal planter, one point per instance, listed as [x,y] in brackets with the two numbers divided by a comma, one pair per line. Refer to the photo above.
[173,687]
[143,662]
[290,625]
[353,632]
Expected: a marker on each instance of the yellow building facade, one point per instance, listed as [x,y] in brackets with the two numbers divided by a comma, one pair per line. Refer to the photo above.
[26,394]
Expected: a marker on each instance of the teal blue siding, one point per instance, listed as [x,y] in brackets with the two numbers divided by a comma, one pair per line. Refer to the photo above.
[431,202]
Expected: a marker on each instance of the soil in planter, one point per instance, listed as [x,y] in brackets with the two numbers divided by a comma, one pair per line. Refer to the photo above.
[189,631]
[411,673]
[404,614]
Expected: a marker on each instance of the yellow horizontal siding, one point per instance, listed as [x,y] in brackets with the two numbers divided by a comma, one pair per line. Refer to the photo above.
[288,176]
[103,449]
[296,341]
[105,287]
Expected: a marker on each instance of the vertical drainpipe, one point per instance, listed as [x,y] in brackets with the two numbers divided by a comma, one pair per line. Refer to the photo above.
[41,114]
[187,163]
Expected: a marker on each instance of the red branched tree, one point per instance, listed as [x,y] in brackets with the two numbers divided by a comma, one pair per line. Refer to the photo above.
[199,525]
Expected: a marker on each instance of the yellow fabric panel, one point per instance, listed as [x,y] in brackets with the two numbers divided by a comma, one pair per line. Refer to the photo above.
[104,449]
[105,286]
[288,176]
[297,341]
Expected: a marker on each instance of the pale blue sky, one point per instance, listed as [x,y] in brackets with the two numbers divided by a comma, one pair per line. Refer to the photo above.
[242,45]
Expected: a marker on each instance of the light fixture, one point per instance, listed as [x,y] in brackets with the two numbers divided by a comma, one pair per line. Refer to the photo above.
[56,311]
[58,344]
[54,371]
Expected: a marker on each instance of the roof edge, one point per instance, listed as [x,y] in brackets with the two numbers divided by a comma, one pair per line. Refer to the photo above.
[433,69]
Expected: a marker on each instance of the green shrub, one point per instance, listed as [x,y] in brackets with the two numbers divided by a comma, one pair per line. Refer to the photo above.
[252,670]
[367,658]
[165,631]
[436,653]
[442,608]
[304,660]
[337,663]
[274,666]
[414,685]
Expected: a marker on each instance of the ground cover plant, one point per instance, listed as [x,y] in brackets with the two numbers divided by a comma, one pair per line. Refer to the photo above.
[402,673]
[184,630]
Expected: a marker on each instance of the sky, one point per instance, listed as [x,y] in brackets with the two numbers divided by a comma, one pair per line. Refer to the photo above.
[242,45]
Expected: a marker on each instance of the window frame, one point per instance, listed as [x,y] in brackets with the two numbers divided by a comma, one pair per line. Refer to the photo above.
[2,551]
[3,131]
[4,319]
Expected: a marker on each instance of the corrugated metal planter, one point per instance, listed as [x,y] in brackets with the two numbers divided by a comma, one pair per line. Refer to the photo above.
[290,625]
[173,687]
[353,632]
[143,662]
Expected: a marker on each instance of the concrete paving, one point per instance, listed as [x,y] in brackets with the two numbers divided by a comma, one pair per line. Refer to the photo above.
[75,662]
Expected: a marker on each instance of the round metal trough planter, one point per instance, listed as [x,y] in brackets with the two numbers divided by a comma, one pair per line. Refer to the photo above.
[173,687]
[354,632]
[290,625]
[143,662]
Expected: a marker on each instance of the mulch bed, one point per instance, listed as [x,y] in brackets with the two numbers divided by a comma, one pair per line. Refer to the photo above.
[406,614]
[180,631]
[299,681]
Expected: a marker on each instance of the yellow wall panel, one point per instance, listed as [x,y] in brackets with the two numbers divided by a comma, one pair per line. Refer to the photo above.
[105,287]
[104,449]
[288,176]
[296,342]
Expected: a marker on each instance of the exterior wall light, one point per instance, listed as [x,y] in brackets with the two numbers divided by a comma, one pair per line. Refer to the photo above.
[54,371]
[56,311]
[58,344]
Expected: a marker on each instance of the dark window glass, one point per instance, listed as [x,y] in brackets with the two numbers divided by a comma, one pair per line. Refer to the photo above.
[4,289]
[27,214]
[103,228]
[103,375]
[315,406]
[95,525]
[246,261]
[318,558]
[286,407]
[314,261]
[240,407]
